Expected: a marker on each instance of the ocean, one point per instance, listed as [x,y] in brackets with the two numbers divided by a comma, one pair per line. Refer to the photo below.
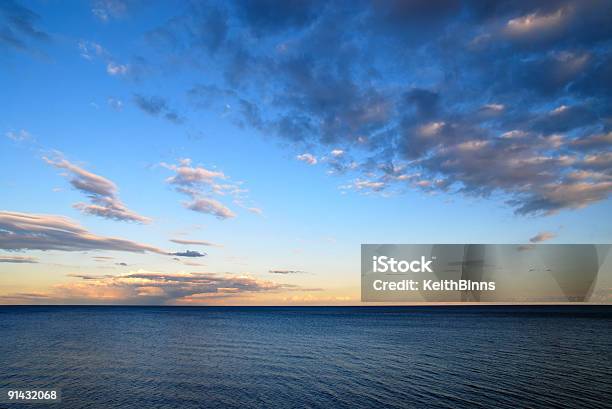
[310,357]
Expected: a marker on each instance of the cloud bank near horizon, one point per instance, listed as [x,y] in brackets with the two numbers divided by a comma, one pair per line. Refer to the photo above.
[146,287]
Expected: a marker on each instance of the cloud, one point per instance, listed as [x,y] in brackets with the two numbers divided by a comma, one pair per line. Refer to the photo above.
[194,242]
[144,287]
[266,16]
[543,236]
[18,27]
[18,259]
[286,272]
[200,184]
[568,195]
[189,176]
[19,136]
[365,185]
[188,253]
[115,104]
[102,193]
[496,110]
[90,50]
[27,231]
[563,119]
[105,10]
[536,23]
[593,142]
[308,158]
[25,298]
[113,68]
[90,277]
[158,107]
[255,210]
[210,206]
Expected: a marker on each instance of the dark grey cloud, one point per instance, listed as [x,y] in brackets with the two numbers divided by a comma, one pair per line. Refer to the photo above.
[594,142]
[425,101]
[507,100]
[187,253]
[563,119]
[158,107]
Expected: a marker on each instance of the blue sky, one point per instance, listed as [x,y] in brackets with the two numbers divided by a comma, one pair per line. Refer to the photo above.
[294,132]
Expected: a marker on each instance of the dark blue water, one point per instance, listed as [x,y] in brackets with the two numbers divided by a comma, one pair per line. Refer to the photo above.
[455,357]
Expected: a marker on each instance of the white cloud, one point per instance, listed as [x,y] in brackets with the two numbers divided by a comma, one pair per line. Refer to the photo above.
[308,158]
[201,184]
[117,69]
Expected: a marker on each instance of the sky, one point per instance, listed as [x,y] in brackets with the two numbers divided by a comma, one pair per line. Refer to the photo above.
[238,153]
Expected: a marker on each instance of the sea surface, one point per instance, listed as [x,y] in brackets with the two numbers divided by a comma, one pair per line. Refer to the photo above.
[302,357]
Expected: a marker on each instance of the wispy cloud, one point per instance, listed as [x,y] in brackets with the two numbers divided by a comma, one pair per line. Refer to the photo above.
[543,236]
[255,210]
[194,242]
[284,272]
[18,259]
[19,136]
[105,10]
[102,193]
[90,50]
[27,231]
[20,27]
